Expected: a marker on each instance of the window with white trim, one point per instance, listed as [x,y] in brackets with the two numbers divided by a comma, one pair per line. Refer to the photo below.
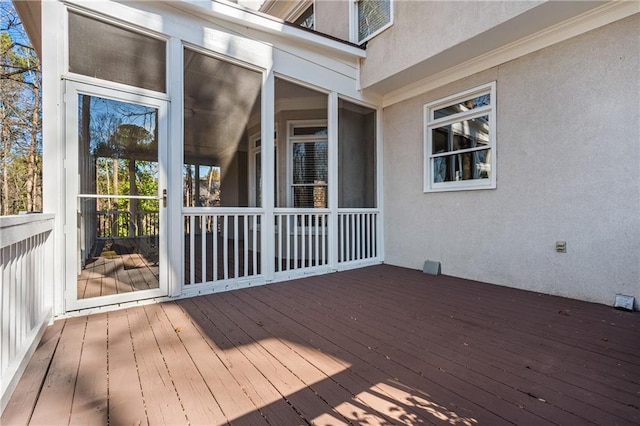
[369,18]
[460,141]
[308,164]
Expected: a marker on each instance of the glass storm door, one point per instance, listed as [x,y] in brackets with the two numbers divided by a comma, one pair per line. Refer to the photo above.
[116,197]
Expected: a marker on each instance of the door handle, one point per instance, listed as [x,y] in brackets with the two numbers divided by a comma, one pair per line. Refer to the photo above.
[164,198]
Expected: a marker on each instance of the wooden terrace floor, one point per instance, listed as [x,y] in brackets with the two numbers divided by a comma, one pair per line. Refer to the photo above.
[379,345]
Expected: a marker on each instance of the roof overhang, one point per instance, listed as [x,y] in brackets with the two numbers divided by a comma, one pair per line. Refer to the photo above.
[31,16]
[30,12]
[549,23]
[239,15]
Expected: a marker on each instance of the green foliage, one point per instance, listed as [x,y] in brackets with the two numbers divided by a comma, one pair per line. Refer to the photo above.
[20,118]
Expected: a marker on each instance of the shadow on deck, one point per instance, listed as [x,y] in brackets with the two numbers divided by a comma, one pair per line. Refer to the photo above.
[379,345]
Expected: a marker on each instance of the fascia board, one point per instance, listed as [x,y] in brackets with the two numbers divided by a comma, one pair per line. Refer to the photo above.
[240,16]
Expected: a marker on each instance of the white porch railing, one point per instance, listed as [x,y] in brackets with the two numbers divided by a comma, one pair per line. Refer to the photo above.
[301,239]
[224,245]
[357,235]
[221,244]
[25,298]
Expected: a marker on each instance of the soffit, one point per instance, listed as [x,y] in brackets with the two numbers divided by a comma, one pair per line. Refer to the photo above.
[509,34]
[30,13]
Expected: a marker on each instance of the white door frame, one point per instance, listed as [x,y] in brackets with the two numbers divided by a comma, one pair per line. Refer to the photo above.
[72,90]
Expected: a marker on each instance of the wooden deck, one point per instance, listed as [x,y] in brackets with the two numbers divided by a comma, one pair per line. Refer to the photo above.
[379,345]
[126,265]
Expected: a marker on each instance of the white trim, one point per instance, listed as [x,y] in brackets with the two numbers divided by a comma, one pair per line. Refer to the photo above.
[430,123]
[72,89]
[267,24]
[595,18]
[268,128]
[175,161]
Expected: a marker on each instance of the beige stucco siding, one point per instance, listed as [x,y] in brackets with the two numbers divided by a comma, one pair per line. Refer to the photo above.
[568,168]
[428,28]
[332,18]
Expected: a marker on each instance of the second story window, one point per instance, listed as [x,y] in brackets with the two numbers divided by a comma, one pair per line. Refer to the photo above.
[306,19]
[370,17]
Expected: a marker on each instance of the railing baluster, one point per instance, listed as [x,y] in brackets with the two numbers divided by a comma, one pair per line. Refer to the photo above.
[225,245]
[295,241]
[203,248]
[214,239]
[280,242]
[245,245]
[192,254]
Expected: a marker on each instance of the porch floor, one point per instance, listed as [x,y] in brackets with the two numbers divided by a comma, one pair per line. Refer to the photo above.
[379,345]
[129,264]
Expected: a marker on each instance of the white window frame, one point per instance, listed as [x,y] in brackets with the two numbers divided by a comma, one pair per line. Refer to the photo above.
[354,24]
[431,123]
[291,139]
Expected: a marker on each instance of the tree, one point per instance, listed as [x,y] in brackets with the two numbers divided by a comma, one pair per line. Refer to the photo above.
[20,117]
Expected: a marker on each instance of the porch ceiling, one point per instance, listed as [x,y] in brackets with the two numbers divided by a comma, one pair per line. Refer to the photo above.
[380,345]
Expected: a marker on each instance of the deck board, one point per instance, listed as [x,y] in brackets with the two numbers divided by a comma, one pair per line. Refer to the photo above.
[379,345]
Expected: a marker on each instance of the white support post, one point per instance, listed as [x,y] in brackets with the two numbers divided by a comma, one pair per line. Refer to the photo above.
[267,227]
[173,216]
[53,191]
[379,224]
[332,123]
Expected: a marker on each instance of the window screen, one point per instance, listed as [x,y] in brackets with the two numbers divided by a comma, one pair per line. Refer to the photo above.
[372,16]
[108,52]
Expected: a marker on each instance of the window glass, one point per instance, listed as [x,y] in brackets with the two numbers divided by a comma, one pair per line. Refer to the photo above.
[372,16]
[465,106]
[108,52]
[465,134]
[310,174]
[306,20]
[460,142]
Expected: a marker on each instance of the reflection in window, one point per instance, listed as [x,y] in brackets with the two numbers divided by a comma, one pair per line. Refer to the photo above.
[465,106]
[310,174]
[460,140]
[306,19]
[372,17]
[118,150]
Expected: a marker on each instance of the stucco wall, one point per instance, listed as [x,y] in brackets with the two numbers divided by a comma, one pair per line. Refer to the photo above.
[431,27]
[332,18]
[568,153]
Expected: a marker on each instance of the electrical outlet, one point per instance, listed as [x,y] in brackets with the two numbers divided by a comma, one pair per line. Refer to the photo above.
[561,246]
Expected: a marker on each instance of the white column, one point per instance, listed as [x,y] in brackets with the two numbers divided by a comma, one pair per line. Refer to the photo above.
[53,147]
[332,123]
[174,266]
[379,185]
[267,227]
